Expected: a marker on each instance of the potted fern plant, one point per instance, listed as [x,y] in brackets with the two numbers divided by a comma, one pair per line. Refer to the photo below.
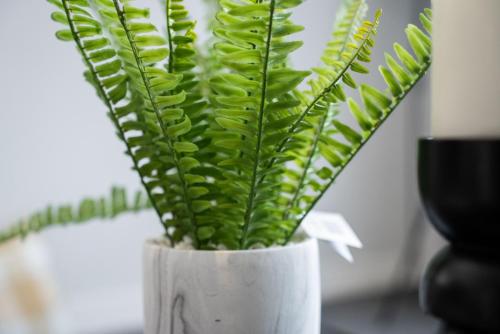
[232,150]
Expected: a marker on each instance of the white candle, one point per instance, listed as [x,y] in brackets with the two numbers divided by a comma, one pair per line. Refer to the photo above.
[466,69]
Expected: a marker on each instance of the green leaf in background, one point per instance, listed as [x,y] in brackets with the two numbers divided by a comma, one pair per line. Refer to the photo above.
[106,207]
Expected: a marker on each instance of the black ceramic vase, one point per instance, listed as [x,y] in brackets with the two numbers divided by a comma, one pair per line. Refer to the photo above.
[459,184]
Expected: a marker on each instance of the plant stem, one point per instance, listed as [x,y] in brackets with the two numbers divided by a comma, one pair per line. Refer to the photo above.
[260,127]
[307,166]
[169,39]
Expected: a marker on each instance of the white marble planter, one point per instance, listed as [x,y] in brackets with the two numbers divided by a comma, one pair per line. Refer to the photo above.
[265,291]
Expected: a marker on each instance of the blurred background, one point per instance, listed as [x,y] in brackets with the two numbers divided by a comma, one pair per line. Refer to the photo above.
[57,146]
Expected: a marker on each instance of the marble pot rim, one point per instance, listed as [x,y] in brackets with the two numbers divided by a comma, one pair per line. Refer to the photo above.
[161,243]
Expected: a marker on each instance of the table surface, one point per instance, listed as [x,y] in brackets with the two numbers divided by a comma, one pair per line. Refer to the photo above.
[394,314]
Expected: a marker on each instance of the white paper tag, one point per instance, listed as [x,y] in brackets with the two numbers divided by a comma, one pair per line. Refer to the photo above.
[332,227]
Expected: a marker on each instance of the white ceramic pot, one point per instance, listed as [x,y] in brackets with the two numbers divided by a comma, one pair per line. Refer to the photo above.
[264,291]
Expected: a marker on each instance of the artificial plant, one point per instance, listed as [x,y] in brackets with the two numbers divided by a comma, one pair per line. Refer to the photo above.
[235,153]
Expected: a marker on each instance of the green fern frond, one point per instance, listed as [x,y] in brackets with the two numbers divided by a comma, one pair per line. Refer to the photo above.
[164,113]
[351,44]
[106,73]
[344,37]
[343,52]
[183,60]
[88,209]
[327,87]
[206,57]
[340,146]
[252,103]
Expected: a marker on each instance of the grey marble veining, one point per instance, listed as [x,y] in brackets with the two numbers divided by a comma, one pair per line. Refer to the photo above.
[268,291]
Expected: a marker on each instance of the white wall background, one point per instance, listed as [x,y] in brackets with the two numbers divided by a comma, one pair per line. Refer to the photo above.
[57,146]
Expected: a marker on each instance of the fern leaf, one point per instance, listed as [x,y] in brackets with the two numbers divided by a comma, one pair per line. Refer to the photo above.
[143,50]
[377,106]
[106,73]
[109,207]
[183,60]
[251,102]
[350,46]
[327,88]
